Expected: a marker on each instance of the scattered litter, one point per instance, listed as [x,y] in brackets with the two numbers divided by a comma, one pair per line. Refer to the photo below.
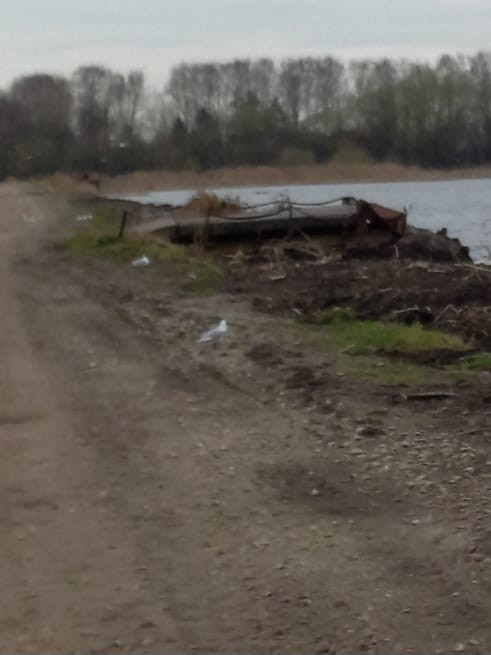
[84,217]
[214,333]
[140,262]
[193,276]
[277,278]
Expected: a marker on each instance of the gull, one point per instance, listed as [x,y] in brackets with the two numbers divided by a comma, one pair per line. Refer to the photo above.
[214,333]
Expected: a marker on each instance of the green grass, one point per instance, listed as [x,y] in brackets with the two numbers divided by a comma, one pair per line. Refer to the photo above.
[375,336]
[94,243]
[106,215]
[393,372]
[203,278]
[333,315]
[339,328]
[189,267]
[381,352]
[396,371]
[474,363]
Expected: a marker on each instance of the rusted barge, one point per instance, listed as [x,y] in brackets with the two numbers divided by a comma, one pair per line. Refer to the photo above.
[277,219]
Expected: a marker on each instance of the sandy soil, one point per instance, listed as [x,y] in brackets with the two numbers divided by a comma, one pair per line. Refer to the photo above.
[158,495]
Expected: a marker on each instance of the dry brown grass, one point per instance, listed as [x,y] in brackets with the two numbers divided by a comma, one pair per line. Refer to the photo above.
[333,172]
[204,203]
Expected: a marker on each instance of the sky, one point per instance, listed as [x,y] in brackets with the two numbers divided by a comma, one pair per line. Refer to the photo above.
[57,36]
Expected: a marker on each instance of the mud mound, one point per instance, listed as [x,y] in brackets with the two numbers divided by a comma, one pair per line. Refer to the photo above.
[415,244]
[423,244]
[451,296]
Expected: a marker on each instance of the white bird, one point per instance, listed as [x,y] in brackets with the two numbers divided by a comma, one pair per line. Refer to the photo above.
[141,261]
[214,333]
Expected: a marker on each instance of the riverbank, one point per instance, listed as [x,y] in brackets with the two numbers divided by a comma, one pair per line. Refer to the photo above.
[418,277]
[330,173]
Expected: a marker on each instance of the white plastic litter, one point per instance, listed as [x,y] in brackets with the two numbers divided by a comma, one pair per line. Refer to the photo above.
[214,333]
[140,262]
[84,217]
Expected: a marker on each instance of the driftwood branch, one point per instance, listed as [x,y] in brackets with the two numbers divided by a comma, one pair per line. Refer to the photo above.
[429,395]
[473,267]
[445,310]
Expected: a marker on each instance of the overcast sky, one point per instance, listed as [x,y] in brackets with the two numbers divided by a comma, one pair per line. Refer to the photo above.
[59,35]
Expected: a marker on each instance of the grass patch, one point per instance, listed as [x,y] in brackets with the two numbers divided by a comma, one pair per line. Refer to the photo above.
[339,328]
[399,371]
[203,279]
[474,363]
[333,315]
[393,371]
[105,215]
[375,336]
[190,268]
[107,246]
[376,367]
[380,351]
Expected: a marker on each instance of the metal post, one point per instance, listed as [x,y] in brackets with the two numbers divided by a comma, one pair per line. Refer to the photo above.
[122,227]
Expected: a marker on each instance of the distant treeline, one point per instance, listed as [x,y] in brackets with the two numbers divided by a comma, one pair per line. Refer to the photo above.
[299,111]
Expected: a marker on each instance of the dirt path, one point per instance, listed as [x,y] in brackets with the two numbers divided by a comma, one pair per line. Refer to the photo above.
[156,498]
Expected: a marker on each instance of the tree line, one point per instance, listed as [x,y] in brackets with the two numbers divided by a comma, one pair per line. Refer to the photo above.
[250,112]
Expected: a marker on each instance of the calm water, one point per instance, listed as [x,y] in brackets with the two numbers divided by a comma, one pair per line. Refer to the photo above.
[462,206]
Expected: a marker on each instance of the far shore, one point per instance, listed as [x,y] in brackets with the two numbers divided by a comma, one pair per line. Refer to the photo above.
[330,173]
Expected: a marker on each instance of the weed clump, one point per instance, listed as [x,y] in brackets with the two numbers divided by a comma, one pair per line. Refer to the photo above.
[209,204]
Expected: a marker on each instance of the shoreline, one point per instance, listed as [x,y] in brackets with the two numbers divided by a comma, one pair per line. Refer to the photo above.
[328,174]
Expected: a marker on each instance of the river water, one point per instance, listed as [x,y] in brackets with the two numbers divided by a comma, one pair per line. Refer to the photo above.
[462,206]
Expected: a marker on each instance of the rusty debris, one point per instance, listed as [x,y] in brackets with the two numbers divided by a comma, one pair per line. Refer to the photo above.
[371,214]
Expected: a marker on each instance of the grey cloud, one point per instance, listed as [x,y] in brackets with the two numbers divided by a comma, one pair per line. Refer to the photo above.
[154,34]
